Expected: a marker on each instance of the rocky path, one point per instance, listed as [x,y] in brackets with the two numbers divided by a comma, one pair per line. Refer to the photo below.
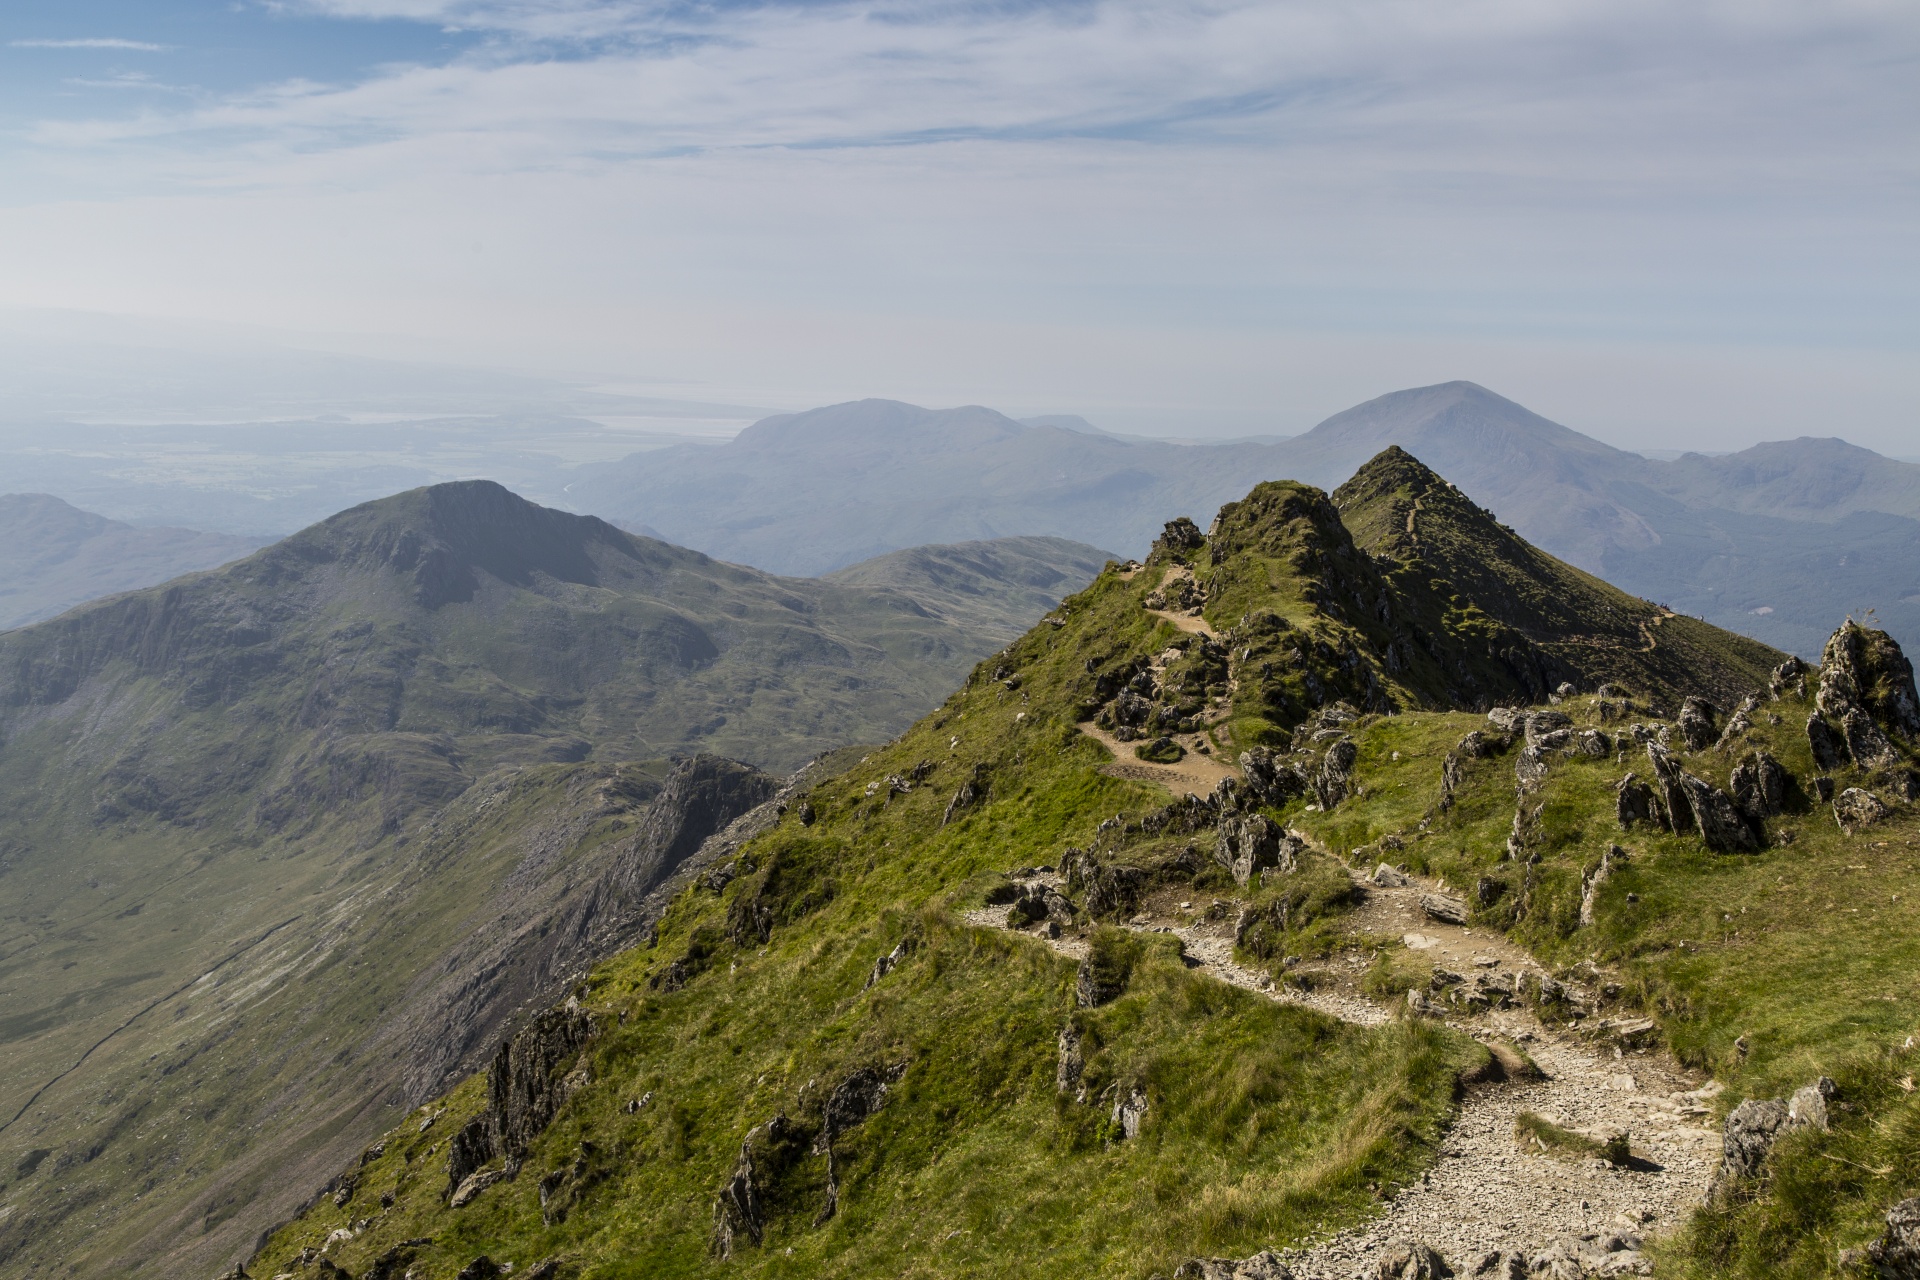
[1486,1192]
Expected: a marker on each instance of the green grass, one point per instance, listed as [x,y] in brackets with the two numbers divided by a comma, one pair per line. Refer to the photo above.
[1531,1129]
[1267,1123]
[1766,969]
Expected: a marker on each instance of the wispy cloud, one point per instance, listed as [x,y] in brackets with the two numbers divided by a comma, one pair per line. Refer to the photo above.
[92,42]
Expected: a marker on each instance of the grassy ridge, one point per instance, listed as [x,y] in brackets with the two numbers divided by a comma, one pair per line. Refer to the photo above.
[1768,969]
[1265,1123]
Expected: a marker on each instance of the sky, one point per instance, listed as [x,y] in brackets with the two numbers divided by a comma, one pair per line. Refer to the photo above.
[1670,225]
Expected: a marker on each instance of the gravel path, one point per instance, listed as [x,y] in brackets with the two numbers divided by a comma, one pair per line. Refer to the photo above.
[1485,1192]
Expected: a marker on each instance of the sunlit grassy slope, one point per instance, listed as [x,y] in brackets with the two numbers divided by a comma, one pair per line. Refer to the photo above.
[1265,1125]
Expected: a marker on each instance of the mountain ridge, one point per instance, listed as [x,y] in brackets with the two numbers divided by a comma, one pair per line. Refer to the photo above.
[382,785]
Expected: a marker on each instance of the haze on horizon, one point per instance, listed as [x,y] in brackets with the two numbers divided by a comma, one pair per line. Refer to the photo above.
[1669,226]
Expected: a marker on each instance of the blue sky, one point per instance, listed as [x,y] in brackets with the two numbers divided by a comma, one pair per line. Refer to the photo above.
[1643,219]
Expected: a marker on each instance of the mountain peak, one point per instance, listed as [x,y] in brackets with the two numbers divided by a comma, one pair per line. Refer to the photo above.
[445,535]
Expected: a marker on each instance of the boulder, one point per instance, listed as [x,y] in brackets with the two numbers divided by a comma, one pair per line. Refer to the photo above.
[1808,1105]
[1759,786]
[1502,1265]
[1696,724]
[1593,744]
[1334,781]
[1750,1132]
[1896,1254]
[472,1185]
[1389,878]
[1439,906]
[1597,880]
[1854,808]
[1410,1260]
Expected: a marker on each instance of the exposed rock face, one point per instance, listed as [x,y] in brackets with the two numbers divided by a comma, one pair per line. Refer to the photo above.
[739,1211]
[1869,747]
[1695,723]
[1071,1063]
[1828,748]
[1865,668]
[1129,1110]
[523,1092]
[1706,808]
[1854,808]
[1759,786]
[1250,843]
[1270,780]
[1636,802]
[1335,779]
[1896,1254]
[1750,1133]
[1808,1105]
[544,934]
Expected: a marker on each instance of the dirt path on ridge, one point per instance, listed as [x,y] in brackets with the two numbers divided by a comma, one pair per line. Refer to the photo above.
[1485,1191]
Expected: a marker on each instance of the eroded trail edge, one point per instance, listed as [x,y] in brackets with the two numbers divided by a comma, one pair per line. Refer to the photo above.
[1486,1193]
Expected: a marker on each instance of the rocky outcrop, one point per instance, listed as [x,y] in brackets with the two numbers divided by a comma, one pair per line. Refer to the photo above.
[1855,808]
[1071,1062]
[1896,1254]
[525,1088]
[1756,1124]
[1862,667]
[1696,724]
[1635,801]
[1270,780]
[1703,807]
[1250,843]
[740,1210]
[1759,786]
[1828,748]
[1596,881]
[858,1096]
[1333,782]
[545,930]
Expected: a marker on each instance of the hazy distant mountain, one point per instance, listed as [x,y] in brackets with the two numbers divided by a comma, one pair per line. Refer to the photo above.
[54,556]
[1774,541]
[809,492]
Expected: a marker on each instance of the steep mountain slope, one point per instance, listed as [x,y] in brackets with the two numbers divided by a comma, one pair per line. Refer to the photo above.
[54,556]
[284,845]
[835,1060]
[1773,542]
